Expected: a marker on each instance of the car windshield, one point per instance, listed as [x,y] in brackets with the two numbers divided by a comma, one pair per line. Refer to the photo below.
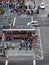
[42,4]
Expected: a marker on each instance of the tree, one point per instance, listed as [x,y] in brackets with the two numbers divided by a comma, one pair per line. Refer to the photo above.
[2,10]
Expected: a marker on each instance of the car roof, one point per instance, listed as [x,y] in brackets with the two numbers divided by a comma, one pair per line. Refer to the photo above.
[42,2]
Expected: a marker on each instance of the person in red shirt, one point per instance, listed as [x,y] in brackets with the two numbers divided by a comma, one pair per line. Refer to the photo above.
[33,42]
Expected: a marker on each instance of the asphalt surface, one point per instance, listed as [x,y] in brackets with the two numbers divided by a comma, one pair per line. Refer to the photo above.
[44,31]
[45,46]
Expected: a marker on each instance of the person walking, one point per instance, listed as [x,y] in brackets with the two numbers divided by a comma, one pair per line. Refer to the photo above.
[33,42]
[26,44]
[20,46]
[30,46]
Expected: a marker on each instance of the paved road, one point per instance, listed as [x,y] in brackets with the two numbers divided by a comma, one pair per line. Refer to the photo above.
[45,45]
[45,42]
[43,13]
[38,2]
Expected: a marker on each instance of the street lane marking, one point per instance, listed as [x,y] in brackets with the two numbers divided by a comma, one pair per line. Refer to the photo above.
[39,56]
[34,62]
[40,43]
[14,21]
[6,62]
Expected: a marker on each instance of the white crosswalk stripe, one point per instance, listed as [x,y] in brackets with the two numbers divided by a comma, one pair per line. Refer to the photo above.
[6,62]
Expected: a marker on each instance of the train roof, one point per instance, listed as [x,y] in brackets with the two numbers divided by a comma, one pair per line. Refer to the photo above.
[18,29]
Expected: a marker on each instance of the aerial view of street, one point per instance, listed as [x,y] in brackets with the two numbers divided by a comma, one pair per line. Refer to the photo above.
[24,32]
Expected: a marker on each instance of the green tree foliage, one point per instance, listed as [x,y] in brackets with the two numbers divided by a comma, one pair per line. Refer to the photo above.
[2,10]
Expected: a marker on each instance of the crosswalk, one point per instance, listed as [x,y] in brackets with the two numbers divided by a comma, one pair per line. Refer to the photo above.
[29,53]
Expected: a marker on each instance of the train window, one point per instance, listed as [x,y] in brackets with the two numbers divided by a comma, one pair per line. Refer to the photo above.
[34,32]
[19,32]
[29,33]
[8,33]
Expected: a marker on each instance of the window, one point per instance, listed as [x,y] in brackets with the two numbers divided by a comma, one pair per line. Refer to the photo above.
[17,34]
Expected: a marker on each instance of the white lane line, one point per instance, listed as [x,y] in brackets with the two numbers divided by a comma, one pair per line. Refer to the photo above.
[34,62]
[14,21]
[38,50]
[40,43]
[39,56]
[34,58]
[6,62]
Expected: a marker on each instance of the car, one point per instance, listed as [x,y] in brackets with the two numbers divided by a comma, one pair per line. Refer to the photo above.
[34,23]
[1,4]
[42,6]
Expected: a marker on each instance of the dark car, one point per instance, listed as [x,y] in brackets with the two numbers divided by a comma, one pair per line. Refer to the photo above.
[1,4]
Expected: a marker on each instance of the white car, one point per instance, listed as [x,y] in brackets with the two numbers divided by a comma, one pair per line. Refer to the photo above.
[33,23]
[42,6]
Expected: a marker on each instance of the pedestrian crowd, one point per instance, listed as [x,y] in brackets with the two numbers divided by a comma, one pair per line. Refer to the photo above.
[20,7]
[27,44]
